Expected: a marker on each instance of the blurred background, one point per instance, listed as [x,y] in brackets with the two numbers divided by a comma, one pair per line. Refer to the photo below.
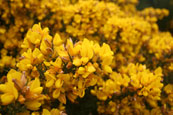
[166,24]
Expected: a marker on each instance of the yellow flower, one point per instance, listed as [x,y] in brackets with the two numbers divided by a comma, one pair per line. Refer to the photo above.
[10,93]
[38,37]
[77,18]
[46,45]
[52,112]
[56,93]
[77,61]
[35,113]
[100,94]
[87,49]
[24,65]
[9,89]
[106,54]
[61,51]
[171,67]
[35,87]
[85,71]
[86,52]
[32,105]
[62,98]
[57,64]
[55,67]
[34,96]
[37,56]
[57,40]
[50,79]
[13,74]
[33,36]
[107,69]
[126,80]
[148,82]
[2,30]
[29,59]
[71,97]
[7,61]
[168,88]
[160,44]
[89,69]
[58,47]
[58,83]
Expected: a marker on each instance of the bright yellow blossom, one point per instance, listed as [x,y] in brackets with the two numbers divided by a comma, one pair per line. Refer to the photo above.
[9,89]
[10,93]
[29,59]
[34,96]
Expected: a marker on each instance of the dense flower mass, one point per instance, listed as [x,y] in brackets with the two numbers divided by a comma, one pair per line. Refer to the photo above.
[133,78]
[103,55]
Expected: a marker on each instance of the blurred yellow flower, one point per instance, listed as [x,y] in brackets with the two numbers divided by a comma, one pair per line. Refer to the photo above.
[52,112]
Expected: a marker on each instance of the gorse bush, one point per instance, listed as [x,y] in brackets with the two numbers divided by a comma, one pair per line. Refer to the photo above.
[84,57]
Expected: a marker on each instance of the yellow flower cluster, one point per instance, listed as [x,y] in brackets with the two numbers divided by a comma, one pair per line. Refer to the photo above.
[126,36]
[129,105]
[135,78]
[169,91]
[6,61]
[152,15]
[160,49]
[17,88]
[71,72]
[105,55]
[17,16]
[86,18]
[161,44]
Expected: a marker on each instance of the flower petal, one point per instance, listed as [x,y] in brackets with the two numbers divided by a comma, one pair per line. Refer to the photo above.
[7,98]
[33,105]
